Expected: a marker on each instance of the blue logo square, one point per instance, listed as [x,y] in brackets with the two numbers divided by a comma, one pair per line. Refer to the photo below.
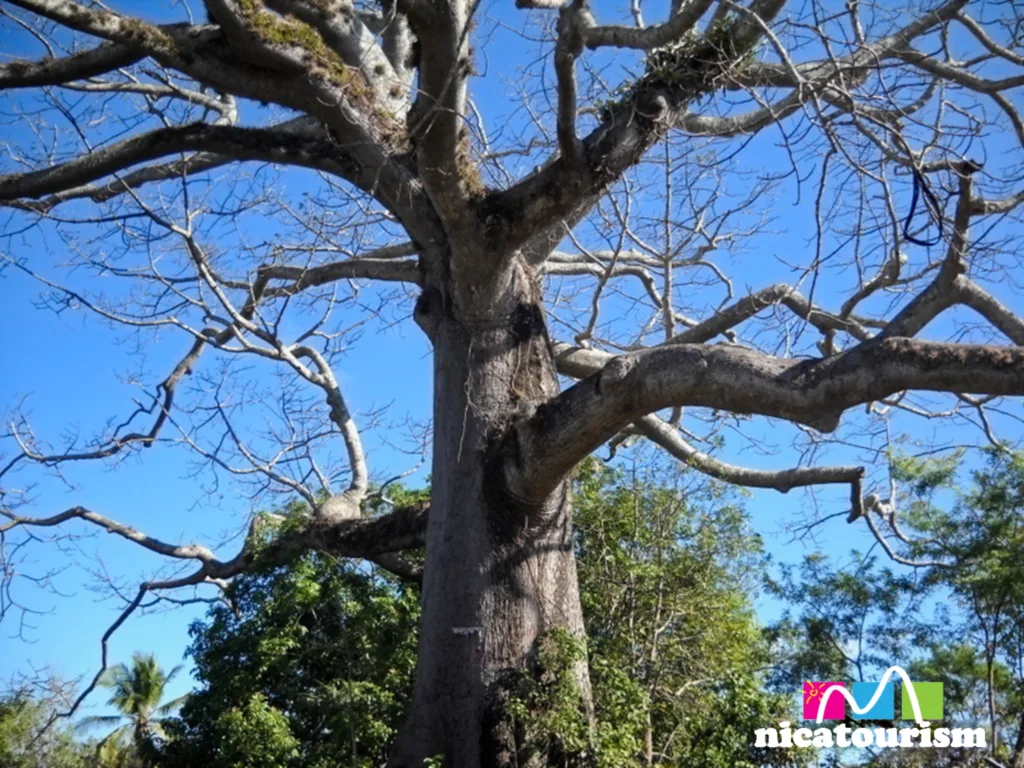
[885,706]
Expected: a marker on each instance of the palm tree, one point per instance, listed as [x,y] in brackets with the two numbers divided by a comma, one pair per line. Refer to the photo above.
[137,692]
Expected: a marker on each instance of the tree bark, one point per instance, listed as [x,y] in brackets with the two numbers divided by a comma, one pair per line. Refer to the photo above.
[498,573]
[1018,749]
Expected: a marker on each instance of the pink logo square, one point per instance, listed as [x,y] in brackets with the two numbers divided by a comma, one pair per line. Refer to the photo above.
[814,694]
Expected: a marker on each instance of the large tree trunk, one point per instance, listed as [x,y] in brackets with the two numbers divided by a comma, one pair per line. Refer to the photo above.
[497,574]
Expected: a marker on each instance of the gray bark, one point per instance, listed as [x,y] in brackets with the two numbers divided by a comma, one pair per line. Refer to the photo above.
[499,572]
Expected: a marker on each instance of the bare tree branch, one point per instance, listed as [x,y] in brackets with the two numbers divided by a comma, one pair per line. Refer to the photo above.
[98,61]
[813,392]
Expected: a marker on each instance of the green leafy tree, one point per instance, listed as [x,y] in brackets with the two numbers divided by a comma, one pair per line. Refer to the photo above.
[25,744]
[138,690]
[311,666]
[977,543]
[956,619]
[842,624]
[269,182]
[665,579]
[852,625]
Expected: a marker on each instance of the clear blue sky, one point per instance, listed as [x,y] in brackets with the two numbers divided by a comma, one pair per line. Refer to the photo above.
[70,369]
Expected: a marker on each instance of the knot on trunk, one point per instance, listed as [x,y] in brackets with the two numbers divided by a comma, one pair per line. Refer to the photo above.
[614,373]
[429,311]
[527,321]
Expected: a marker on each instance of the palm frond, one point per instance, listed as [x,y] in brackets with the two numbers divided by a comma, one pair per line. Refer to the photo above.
[174,672]
[87,724]
[170,706]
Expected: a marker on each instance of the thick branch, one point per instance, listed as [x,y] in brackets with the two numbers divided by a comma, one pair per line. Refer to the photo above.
[241,143]
[582,363]
[99,60]
[436,121]
[748,122]
[366,537]
[377,539]
[941,293]
[539,451]
[954,74]
[302,142]
[985,304]
[557,192]
[99,193]
[561,189]
[400,270]
[402,529]
[748,306]
[361,134]
[181,551]
[567,50]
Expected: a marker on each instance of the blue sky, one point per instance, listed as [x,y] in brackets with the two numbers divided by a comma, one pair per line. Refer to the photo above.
[71,370]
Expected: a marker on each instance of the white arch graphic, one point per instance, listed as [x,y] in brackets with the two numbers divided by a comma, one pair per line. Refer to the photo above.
[848,695]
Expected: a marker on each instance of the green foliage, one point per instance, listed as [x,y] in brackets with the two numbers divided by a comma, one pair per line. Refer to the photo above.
[397,496]
[254,736]
[925,475]
[851,625]
[315,660]
[312,664]
[118,751]
[21,720]
[546,703]
[665,585]
[961,623]
[269,525]
[138,689]
[842,623]
[982,537]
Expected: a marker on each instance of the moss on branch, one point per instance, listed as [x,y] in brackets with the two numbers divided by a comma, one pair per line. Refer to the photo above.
[317,58]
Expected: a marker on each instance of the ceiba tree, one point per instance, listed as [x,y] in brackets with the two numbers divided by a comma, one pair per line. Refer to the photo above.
[144,118]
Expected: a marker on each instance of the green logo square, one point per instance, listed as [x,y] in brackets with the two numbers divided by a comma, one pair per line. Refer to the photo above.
[929,698]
